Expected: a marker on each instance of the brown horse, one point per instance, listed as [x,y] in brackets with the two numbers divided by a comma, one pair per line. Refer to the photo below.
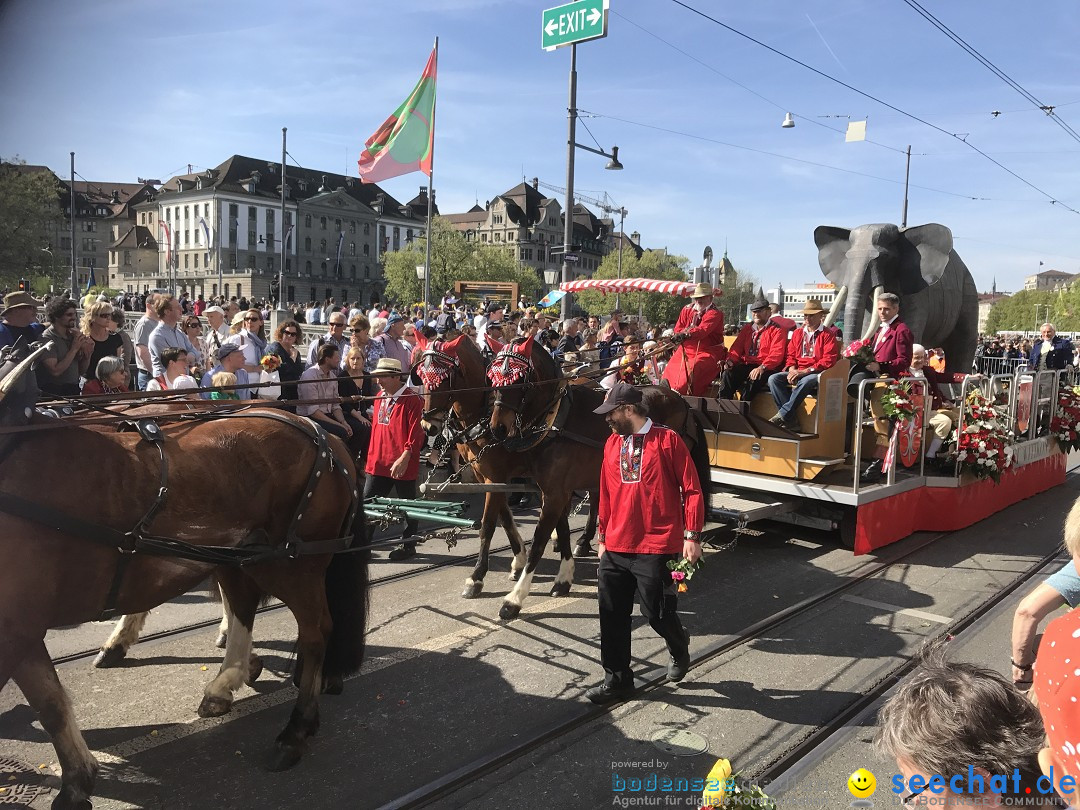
[265,483]
[532,400]
[453,374]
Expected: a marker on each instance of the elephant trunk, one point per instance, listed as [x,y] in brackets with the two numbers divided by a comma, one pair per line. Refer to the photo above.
[838,302]
[871,323]
[853,308]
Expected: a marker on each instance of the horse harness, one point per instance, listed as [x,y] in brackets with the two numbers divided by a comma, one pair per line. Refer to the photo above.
[139,540]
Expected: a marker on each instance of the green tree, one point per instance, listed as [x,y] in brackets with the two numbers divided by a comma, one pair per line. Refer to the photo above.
[29,211]
[1024,311]
[738,291]
[657,308]
[452,259]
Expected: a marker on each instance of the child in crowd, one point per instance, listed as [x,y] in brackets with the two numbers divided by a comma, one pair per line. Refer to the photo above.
[223,379]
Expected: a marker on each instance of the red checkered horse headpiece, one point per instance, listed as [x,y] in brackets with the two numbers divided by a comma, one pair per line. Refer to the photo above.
[513,364]
[437,361]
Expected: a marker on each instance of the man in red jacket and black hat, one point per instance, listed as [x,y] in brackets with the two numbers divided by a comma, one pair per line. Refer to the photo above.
[651,511]
[758,351]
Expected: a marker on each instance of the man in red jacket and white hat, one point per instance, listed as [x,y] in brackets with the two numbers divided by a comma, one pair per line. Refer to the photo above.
[651,511]
[393,460]
[700,357]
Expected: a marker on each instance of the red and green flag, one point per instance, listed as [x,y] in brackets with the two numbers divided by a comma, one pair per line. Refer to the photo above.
[404,142]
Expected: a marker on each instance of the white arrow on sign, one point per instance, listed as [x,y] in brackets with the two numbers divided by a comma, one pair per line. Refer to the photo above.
[551,27]
[594,16]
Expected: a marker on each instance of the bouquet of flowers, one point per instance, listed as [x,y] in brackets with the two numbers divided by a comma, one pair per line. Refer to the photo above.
[682,571]
[897,401]
[984,447]
[1066,422]
[860,352]
[727,791]
[270,362]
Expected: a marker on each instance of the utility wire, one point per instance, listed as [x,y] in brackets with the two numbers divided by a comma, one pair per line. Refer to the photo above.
[749,90]
[1053,199]
[1046,108]
[788,157]
[598,146]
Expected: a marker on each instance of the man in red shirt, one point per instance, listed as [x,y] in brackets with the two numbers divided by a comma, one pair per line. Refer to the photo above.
[651,511]
[393,461]
[700,357]
[810,351]
[758,351]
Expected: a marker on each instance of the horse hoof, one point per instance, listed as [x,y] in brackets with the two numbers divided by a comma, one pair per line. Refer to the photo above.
[560,589]
[255,668]
[583,550]
[283,757]
[222,641]
[333,685]
[109,657]
[509,611]
[472,590]
[71,799]
[214,707]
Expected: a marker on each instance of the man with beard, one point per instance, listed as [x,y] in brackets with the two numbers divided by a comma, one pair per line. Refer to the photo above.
[758,351]
[651,511]
[699,335]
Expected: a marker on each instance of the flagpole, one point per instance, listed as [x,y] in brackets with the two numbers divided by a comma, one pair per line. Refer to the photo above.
[430,194]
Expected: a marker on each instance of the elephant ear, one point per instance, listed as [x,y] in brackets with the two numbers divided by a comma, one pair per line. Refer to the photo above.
[925,252]
[833,244]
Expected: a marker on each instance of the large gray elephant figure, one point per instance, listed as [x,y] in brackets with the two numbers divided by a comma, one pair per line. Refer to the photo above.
[938,299]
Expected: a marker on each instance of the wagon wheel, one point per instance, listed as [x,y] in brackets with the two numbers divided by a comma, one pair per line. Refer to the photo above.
[846,532]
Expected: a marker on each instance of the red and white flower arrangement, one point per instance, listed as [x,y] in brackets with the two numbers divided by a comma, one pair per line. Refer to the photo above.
[897,401]
[1066,422]
[682,571]
[984,446]
[860,351]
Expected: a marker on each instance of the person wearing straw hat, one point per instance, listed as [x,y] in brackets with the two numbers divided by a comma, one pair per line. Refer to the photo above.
[759,351]
[393,458]
[811,350]
[699,334]
[18,320]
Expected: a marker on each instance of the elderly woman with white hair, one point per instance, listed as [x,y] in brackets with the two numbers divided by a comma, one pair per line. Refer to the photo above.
[945,412]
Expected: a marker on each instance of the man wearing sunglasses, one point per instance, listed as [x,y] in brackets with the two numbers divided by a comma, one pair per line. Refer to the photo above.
[336,336]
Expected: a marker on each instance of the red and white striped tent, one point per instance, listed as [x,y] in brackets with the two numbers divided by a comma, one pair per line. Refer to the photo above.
[628,285]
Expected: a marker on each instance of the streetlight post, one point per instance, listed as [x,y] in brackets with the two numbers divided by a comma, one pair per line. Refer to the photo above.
[622,238]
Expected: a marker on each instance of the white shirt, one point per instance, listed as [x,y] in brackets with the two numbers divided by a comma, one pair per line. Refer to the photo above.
[181,381]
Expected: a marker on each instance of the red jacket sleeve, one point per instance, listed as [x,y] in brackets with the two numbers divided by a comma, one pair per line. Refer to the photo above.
[686,474]
[793,347]
[410,421]
[741,345]
[773,351]
[604,507]
[829,350]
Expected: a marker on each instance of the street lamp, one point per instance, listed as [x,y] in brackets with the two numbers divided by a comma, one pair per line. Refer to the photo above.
[571,143]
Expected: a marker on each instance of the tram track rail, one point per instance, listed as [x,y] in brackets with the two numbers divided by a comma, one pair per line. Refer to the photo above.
[158,636]
[447,784]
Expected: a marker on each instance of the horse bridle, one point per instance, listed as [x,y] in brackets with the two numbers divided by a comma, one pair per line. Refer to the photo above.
[435,367]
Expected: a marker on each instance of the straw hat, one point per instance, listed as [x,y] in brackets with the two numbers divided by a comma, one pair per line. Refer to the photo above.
[387,367]
[19,299]
[813,307]
[702,290]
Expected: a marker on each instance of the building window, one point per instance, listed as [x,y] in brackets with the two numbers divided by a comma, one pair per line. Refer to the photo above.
[322,246]
[196,261]
[251,238]
[367,271]
[322,223]
[251,261]
[307,217]
[352,227]
[352,248]
[270,264]
[367,249]
[352,272]
[307,269]
[234,210]
[208,259]
[187,237]
[253,214]
[408,235]
[337,225]
[232,261]
[197,235]
[187,213]
[540,254]
[367,229]
[397,238]
[322,272]
[186,260]
[168,215]
[127,258]
[483,237]
[307,244]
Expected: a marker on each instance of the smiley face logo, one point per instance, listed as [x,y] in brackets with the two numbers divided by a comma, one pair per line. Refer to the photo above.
[862,784]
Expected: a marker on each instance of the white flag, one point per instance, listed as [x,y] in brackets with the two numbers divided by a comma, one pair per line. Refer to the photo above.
[856,131]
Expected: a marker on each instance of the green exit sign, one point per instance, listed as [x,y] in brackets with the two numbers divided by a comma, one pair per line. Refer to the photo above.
[573,23]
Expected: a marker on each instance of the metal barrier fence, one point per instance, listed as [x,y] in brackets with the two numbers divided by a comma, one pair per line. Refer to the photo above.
[992,366]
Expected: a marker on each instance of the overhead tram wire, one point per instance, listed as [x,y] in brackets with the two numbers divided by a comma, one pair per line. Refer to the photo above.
[749,90]
[1053,200]
[1001,74]
[793,159]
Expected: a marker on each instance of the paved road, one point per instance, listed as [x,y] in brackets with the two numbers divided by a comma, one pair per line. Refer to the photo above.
[446,682]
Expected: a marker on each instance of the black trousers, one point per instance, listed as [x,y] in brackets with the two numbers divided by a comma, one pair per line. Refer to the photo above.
[620,577]
[737,379]
[379,486]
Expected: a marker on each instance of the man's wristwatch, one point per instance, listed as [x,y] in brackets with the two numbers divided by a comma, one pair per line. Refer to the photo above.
[691,536]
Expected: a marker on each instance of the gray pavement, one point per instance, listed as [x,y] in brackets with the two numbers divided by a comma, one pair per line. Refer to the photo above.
[446,682]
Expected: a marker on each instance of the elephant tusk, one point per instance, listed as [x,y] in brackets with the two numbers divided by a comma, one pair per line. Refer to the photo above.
[8,383]
[873,323]
[837,306]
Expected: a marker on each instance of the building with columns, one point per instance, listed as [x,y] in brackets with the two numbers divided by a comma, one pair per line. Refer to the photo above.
[225,230]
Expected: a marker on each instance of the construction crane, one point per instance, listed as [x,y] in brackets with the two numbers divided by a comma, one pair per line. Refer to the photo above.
[604,206]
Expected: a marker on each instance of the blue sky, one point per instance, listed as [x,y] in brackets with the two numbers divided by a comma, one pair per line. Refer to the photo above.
[141,90]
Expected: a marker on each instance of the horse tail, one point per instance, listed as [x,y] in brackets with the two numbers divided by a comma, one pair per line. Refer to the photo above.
[699,454]
[347,597]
